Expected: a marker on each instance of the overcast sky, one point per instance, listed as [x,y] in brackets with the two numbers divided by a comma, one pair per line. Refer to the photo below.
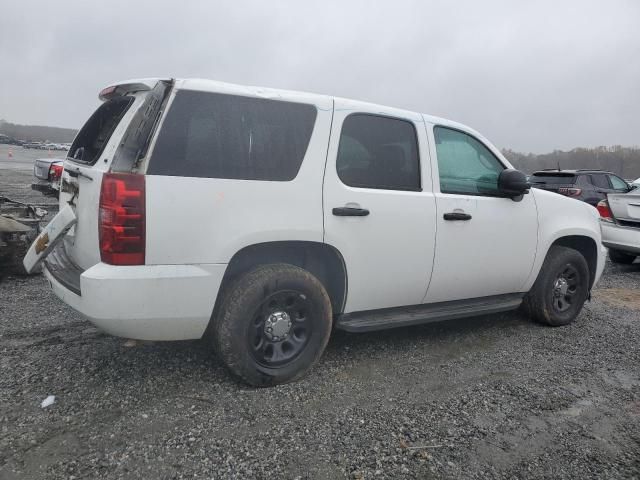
[532,76]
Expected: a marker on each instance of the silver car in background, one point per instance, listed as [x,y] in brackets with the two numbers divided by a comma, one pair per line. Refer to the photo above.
[47,173]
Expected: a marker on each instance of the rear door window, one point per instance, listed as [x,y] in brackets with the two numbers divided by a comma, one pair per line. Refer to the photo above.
[600,181]
[214,135]
[584,180]
[378,152]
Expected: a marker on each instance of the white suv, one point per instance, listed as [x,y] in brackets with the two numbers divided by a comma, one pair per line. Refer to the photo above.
[265,218]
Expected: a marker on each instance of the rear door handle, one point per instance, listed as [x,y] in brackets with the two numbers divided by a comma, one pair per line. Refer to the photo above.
[456,216]
[350,212]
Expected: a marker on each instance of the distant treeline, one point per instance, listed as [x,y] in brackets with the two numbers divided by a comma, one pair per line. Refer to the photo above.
[625,161]
[37,133]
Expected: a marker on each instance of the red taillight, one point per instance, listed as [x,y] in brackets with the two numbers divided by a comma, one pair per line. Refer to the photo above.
[604,211]
[55,171]
[569,191]
[121,220]
[106,92]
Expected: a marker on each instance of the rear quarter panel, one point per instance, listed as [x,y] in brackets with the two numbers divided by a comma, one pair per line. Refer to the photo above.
[207,220]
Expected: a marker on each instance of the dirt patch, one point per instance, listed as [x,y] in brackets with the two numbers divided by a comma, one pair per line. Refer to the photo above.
[620,297]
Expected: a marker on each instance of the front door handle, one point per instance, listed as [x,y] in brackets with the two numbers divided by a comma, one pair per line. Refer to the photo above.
[350,212]
[457,216]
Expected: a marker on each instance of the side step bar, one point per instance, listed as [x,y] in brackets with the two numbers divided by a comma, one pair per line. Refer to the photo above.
[371,320]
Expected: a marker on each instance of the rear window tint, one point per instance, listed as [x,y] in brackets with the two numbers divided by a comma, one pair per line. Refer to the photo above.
[553,179]
[213,135]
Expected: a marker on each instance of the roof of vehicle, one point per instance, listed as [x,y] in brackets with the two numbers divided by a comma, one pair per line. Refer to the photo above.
[321,101]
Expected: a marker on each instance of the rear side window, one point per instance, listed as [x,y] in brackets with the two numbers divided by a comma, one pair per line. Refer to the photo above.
[95,134]
[583,180]
[378,152]
[600,181]
[213,135]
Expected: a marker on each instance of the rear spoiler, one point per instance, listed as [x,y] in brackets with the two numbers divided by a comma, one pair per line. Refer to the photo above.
[129,86]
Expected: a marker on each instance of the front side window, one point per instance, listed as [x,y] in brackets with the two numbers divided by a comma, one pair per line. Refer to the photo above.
[212,135]
[465,165]
[618,183]
[378,152]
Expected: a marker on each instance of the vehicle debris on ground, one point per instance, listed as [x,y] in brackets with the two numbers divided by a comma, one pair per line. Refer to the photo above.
[20,224]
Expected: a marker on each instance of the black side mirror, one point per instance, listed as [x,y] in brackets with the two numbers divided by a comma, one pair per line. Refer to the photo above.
[513,183]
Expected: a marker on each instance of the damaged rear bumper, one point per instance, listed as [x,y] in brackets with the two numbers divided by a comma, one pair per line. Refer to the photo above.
[148,302]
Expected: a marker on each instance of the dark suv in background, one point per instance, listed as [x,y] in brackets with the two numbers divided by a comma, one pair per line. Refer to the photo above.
[590,186]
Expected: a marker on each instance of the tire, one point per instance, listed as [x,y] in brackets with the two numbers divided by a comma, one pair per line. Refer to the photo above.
[273,325]
[616,256]
[562,287]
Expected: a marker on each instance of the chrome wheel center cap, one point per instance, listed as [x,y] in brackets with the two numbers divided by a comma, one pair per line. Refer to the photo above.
[561,287]
[277,326]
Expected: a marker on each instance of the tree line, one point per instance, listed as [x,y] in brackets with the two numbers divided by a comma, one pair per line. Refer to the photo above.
[37,133]
[624,161]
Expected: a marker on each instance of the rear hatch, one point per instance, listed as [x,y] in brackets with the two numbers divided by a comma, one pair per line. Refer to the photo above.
[559,182]
[563,183]
[114,139]
[625,207]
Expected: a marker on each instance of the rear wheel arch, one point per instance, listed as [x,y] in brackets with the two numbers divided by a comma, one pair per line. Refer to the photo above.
[323,261]
[586,246]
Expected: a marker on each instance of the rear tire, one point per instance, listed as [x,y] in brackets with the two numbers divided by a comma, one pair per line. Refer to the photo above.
[561,288]
[273,325]
[616,256]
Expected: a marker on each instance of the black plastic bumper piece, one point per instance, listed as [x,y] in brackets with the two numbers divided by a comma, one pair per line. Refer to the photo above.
[63,269]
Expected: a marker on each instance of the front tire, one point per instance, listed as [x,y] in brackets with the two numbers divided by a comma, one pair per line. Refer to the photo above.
[561,288]
[616,256]
[273,325]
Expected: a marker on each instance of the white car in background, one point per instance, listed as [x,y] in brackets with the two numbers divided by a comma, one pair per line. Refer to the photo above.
[620,221]
[266,218]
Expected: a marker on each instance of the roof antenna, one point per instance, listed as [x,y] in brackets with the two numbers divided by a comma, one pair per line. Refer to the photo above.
[558,165]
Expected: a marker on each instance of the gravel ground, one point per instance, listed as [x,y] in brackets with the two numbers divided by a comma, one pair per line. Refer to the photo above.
[486,397]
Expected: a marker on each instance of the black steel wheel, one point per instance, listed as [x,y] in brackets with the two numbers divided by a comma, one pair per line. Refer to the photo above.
[273,324]
[562,287]
[281,328]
